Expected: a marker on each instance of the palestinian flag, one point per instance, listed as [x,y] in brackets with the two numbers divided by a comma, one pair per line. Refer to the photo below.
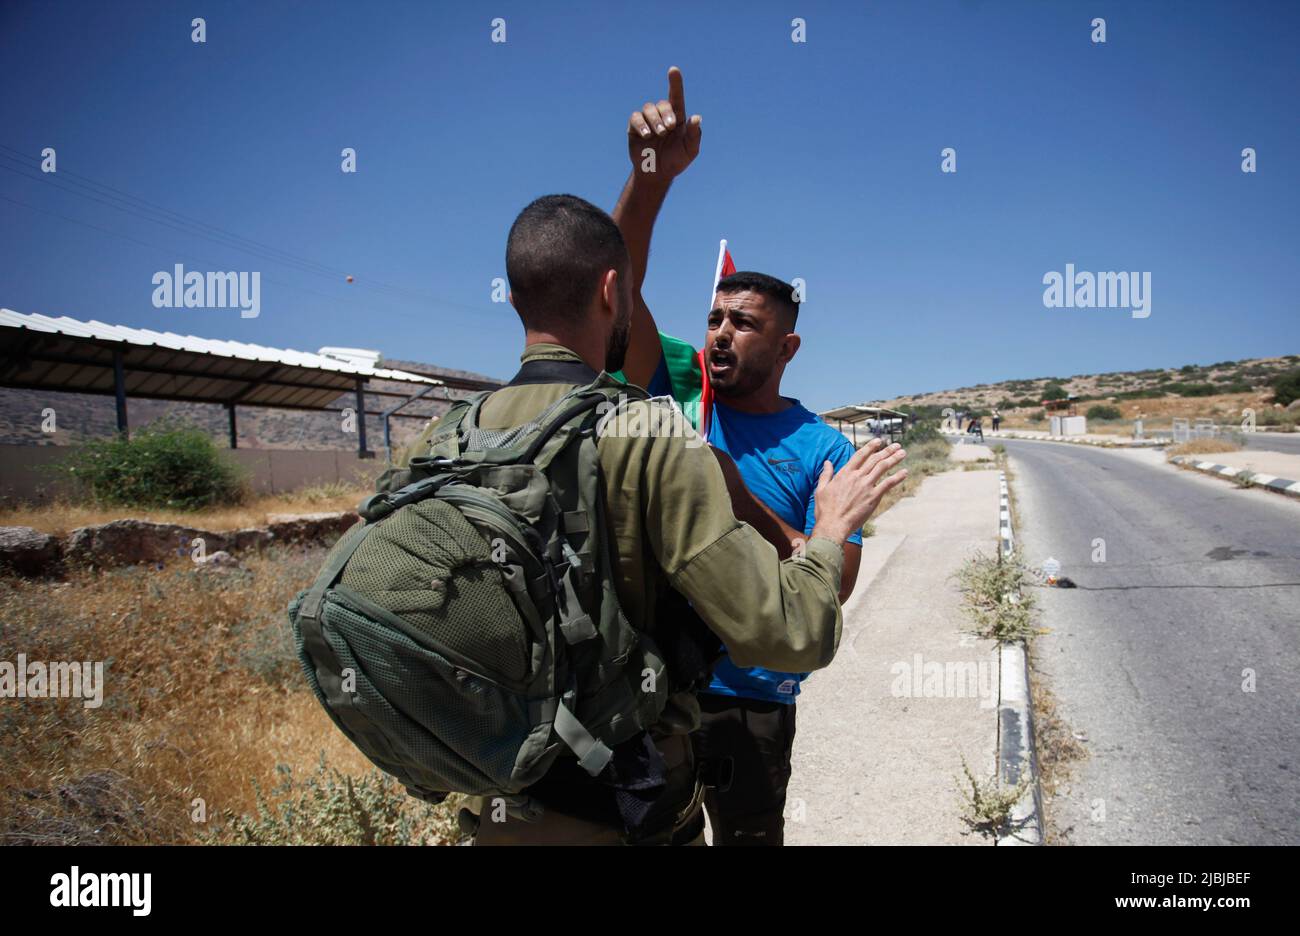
[688,373]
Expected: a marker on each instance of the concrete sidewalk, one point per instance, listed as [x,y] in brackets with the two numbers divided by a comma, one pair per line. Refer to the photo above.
[882,731]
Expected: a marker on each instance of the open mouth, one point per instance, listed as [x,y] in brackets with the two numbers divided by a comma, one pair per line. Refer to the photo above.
[721,362]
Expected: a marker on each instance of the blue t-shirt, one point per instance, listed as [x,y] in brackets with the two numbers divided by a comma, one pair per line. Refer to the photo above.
[780,457]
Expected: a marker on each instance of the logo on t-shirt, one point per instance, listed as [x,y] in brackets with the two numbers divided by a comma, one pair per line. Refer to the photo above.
[787,687]
[788,466]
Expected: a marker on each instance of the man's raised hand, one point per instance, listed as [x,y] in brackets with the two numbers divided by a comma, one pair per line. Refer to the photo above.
[846,498]
[664,129]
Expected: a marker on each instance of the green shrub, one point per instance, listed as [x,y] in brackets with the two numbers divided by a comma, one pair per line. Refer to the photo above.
[1104,412]
[924,431]
[1195,389]
[1282,420]
[329,807]
[1286,387]
[993,597]
[1055,392]
[163,465]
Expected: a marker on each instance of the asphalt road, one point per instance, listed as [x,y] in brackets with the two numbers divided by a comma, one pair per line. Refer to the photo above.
[1200,583]
[1273,441]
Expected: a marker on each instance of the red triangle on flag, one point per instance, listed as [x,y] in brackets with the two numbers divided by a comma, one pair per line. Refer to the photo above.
[728,266]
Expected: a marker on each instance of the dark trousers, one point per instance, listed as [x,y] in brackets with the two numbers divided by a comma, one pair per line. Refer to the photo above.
[743,751]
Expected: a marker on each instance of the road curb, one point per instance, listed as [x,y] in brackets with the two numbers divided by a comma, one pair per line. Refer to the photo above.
[1016,756]
[1133,444]
[1283,486]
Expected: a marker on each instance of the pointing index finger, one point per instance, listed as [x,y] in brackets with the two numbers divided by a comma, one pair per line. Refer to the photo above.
[677,94]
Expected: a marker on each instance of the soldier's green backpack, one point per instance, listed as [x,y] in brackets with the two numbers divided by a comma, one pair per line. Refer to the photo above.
[468,628]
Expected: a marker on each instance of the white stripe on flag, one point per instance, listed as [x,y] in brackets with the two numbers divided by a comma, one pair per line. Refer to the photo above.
[717,271]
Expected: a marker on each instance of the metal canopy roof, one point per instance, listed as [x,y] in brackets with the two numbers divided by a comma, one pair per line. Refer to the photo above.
[858,412]
[42,353]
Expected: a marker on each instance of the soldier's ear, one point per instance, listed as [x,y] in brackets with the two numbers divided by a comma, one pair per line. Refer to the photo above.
[610,284]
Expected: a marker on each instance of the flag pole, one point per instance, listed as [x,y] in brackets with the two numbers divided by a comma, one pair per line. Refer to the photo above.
[706,391]
[717,270]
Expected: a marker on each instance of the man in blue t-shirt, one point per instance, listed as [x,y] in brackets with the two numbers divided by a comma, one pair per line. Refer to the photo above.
[781,450]
[747,715]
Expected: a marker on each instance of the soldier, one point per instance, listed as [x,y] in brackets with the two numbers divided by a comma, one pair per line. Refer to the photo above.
[669,516]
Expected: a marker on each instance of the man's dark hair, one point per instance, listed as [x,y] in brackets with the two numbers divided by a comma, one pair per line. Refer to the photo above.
[778,292]
[559,248]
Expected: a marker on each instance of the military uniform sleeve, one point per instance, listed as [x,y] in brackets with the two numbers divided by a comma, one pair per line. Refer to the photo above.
[784,615]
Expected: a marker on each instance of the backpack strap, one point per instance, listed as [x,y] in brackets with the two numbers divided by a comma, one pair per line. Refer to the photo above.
[593,754]
[310,607]
[445,443]
[551,371]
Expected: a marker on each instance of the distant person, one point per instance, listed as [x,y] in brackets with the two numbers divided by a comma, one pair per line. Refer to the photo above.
[976,427]
[997,419]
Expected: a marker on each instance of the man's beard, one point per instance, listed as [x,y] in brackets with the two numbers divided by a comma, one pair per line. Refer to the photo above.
[745,378]
[616,349]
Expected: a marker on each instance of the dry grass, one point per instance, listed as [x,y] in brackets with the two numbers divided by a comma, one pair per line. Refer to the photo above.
[987,804]
[1203,447]
[1057,750]
[62,517]
[923,459]
[993,596]
[203,701]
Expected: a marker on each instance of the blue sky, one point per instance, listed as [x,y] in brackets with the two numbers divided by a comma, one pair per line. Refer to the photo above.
[820,160]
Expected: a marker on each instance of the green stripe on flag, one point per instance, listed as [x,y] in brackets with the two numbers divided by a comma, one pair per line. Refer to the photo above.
[684,375]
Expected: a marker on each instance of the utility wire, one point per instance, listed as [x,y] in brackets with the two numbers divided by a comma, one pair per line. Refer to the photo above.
[138,207]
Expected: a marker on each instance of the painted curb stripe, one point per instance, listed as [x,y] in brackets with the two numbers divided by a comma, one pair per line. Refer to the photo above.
[1281,485]
[1016,755]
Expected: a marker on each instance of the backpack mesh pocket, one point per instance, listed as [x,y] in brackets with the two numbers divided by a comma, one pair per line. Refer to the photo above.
[427,556]
[428,721]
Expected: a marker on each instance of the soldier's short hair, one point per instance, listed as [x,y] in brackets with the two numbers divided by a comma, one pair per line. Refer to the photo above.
[559,249]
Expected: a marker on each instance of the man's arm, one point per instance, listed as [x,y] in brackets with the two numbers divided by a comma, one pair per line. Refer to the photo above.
[783,615]
[849,577]
[749,509]
[661,143]
[839,455]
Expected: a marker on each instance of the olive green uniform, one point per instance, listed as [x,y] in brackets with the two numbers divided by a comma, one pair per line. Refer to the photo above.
[672,527]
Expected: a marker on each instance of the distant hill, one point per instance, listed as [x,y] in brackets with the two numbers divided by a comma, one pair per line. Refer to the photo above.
[81,416]
[1192,381]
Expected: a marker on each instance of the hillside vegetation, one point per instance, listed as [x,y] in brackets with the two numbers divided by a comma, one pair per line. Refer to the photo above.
[1218,391]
